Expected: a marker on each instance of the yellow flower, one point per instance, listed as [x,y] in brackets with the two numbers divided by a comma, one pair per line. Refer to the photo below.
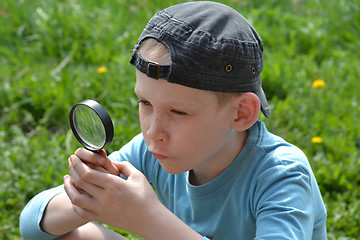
[316,140]
[101,70]
[318,83]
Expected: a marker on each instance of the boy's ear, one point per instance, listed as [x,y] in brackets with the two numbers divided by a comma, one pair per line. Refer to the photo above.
[247,111]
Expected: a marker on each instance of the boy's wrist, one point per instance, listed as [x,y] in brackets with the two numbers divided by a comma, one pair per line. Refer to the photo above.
[166,225]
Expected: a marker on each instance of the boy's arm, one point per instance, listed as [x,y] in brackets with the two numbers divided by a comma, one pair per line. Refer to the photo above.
[59,217]
[50,213]
[33,213]
[92,231]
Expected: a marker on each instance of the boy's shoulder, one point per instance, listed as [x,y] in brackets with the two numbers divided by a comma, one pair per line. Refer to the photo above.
[271,150]
[270,162]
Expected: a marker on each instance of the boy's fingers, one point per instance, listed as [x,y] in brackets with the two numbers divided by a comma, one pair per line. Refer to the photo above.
[102,152]
[90,180]
[97,167]
[86,178]
[97,158]
[126,168]
[90,157]
[108,165]
[82,200]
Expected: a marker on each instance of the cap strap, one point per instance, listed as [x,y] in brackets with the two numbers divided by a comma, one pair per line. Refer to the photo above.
[150,68]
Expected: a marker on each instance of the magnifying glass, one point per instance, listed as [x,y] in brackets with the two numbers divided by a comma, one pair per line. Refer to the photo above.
[91,125]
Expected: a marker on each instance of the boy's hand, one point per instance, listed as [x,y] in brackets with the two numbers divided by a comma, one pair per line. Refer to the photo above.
[96,160]
[127,204]
[131,204]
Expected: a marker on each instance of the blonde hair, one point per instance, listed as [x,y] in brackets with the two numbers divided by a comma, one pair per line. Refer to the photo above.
[157,49]
[225,97]
[154,48]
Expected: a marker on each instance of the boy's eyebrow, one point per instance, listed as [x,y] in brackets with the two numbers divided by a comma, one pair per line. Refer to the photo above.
[136,91]
[140,97]
[178,104]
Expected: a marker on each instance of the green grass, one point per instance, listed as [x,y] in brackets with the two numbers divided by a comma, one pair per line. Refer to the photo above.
[50,52]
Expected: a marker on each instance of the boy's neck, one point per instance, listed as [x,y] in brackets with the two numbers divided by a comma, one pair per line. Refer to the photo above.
[202,176]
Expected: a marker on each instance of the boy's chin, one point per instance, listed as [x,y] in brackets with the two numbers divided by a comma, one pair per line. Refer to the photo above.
[172,169]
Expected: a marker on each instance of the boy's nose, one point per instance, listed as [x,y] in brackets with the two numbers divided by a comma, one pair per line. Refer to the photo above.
[157,129]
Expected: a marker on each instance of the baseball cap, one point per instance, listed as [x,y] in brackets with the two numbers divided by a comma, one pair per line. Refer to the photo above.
[212,47]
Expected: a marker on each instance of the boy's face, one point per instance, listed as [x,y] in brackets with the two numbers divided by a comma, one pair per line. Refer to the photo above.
[185,128]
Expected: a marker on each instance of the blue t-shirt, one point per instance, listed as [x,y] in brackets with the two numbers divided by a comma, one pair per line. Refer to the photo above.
[268,192]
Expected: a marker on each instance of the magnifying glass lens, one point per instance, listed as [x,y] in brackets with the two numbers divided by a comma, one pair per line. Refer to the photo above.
[90,127]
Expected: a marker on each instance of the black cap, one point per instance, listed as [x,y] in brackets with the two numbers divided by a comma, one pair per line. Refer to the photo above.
[212,47]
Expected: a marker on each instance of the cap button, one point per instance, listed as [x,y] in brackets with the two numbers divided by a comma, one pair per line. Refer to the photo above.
[228,68]
[253,70]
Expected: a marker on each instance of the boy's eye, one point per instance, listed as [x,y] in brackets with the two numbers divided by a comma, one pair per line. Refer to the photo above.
[148,104]
[178,112]
[143,102]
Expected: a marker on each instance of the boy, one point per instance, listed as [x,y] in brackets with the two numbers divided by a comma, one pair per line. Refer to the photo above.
[218,172]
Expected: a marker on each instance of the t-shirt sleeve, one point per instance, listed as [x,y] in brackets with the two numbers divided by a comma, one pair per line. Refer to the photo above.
[33,212]
[284,206]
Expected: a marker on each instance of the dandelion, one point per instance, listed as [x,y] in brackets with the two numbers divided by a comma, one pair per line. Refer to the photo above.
[101,70]
[316,140]
[318,83]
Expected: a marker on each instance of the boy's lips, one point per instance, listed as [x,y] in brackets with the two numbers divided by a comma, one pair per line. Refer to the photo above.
[159,156]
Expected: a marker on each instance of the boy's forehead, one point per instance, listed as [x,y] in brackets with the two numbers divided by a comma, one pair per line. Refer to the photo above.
[164,91]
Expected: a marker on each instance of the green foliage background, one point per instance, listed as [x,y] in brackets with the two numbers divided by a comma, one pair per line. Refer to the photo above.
[50,52]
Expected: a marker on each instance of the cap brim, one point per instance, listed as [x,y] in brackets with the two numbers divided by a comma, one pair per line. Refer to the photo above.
[265,108]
